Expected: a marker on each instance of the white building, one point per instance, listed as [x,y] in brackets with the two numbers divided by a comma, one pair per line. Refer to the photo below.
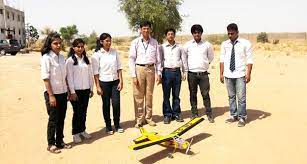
[12,23]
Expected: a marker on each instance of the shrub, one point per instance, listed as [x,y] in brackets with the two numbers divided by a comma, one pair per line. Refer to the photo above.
[262,37]
[216,39]
[275,41]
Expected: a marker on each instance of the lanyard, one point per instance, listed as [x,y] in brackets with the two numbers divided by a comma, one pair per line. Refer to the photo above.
[146,45]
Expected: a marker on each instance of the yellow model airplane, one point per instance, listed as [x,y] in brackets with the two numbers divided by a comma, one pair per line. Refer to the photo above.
[172,140]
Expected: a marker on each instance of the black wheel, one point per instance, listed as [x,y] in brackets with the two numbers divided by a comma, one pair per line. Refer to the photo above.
[13,53]
[2,52]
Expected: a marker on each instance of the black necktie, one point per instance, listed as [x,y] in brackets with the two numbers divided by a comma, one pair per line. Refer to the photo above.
[232,58]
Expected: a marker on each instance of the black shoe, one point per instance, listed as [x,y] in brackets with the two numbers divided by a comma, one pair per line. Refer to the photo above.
[178,118]
[241,122]
[210,118]
[119,129]
[166,120]
[109,130]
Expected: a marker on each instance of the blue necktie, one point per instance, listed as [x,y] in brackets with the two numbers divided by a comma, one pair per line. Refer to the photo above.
[232,58]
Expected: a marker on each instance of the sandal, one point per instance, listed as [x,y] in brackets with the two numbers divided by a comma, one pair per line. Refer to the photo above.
[53,149]
[64,146]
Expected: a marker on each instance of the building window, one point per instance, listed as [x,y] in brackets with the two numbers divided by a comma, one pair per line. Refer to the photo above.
[13,16]
[7,15]
[19,32]
[2,31]
[23,19]
[1,11]
[18,18]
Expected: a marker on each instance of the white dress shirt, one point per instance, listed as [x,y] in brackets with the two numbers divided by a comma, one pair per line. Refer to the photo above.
[243,56]
[53,68]
[199,55]
[173,56]
[80,76]
[142,52]
[106,64]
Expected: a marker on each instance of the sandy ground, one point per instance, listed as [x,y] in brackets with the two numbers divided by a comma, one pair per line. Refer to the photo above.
[275,133]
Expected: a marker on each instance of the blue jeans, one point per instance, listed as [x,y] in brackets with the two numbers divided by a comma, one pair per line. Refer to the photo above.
[236,87]
[171,80]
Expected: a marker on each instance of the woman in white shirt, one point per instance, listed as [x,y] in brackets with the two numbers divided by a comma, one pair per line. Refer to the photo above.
[108,80]
[53,73]
[80,82]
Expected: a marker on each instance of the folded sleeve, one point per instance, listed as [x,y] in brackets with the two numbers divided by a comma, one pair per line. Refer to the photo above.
[70,76]
[223,52]
[95,63]
[249,53]
[45,67]
[132,58]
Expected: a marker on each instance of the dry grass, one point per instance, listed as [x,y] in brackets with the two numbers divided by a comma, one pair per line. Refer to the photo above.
[284,47]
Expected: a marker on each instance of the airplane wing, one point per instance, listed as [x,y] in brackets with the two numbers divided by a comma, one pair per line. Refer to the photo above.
[150,143]
[142,143]
[189,125]
[141,139]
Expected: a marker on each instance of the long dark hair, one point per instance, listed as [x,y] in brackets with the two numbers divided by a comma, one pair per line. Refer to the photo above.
[47,45]
[72,52]
[102,37]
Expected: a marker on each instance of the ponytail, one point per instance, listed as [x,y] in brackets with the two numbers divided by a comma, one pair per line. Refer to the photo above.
[71,54]
[98,45]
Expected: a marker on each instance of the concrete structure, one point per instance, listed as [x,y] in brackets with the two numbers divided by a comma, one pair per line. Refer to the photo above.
[12,23]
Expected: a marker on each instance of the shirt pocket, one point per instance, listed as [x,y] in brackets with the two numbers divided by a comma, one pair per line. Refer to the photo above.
[240,52]
[54,68]
[152,50]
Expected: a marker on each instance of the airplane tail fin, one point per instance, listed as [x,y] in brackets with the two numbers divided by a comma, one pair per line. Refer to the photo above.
[142,130]
[143,136]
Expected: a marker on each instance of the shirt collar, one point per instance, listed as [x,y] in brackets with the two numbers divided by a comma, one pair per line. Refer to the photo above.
[104,51]
[52,54]
[167,44]
[201,41]
[79,57]
[142,39]
[238,40]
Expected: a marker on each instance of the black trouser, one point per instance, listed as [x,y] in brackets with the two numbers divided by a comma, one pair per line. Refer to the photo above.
[80,110]
[56,118]
[200,79]
[110,93]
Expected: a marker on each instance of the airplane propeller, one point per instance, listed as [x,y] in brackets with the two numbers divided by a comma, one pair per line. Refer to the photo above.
[189,147]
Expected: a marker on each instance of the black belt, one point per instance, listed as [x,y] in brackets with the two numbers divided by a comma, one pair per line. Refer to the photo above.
[172,69]
[198,73]
[146,65]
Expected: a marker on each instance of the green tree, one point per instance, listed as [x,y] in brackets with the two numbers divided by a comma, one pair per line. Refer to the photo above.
[91,40]
[68,33]
[161,13]
[31,34]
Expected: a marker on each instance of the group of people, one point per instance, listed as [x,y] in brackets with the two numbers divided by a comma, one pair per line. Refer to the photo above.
[167,64]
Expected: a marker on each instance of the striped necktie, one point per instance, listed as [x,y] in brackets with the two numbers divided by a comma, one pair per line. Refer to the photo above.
[232,66]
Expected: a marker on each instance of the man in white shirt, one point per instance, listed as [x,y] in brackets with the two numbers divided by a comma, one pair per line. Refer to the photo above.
[174,69]
[199,55]
[236,55]
[145,67]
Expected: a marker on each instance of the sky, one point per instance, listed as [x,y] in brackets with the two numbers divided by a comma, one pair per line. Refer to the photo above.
[104,15]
